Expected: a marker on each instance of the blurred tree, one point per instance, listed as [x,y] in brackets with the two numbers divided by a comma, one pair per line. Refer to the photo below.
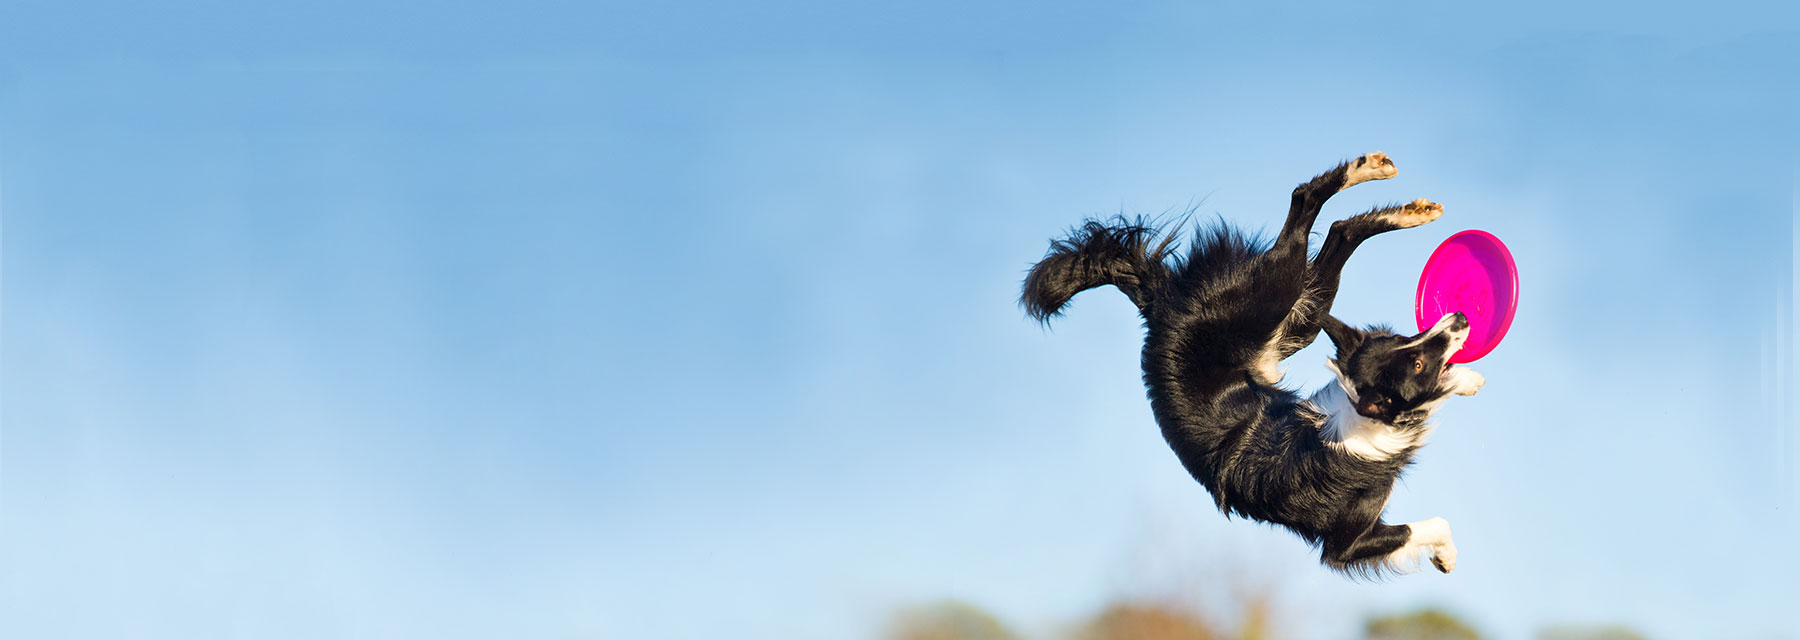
[1259,611]
[1426,624]
[1589,632]
[949,620]
[1147,622]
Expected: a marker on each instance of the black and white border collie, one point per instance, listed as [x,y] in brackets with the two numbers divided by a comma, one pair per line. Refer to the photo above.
[1219,321]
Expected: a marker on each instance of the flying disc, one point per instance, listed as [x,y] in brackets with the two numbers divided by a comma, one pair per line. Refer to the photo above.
[1471,272]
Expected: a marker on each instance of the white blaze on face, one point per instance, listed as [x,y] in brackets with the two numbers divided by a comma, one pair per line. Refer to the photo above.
[1457,338]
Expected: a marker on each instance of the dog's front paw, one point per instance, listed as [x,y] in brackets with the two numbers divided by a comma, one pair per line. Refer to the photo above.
[1467,381]
[1373,166]
[1414,213]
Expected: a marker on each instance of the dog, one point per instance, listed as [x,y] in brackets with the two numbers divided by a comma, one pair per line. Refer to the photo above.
[1218,322]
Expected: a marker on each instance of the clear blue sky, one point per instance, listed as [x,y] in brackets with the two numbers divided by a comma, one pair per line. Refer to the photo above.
[682,320]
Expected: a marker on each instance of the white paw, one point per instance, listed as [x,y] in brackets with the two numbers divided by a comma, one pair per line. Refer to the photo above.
[1443,557]
[1373,166]
[1415,213]
[1434,534]
[1469,381]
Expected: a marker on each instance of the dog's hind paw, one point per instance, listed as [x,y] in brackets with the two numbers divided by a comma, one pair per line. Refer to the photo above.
[1415,213]
[1443,557]
[1372,166]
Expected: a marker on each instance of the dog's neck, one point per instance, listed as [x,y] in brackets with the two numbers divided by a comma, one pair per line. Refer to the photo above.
[1355,433]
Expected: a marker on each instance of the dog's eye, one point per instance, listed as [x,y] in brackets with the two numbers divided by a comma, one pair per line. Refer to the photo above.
[1418,364]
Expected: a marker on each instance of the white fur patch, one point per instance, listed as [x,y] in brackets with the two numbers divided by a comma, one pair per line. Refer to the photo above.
[1360,436]
[1429,537]
[1413,214]
[1344,385]
[1267,368]
[1457,338]
[1463,381]
[1376,166]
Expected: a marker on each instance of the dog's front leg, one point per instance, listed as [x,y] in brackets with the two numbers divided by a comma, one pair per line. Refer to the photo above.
[1464,381]
[1311,196]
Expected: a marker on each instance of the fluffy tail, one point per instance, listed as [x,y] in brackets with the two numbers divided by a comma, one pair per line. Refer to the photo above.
[1124,253]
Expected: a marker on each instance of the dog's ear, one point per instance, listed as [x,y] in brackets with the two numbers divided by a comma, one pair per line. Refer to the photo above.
[1346,337]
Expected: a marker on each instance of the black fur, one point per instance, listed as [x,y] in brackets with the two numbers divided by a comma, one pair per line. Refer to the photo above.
[1213,319]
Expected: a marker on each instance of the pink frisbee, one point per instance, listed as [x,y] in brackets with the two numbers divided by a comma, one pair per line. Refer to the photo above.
[1471,272]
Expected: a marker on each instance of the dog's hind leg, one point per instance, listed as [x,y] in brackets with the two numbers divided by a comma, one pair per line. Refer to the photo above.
[1394,547]
[1431,535]
[1368,551]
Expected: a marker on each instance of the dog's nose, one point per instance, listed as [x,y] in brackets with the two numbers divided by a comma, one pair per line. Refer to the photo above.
[1459,322]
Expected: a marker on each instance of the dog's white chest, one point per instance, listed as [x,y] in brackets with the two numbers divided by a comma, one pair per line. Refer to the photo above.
[1360,436]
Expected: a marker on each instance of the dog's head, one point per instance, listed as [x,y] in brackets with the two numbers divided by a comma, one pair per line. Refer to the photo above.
[1387,376]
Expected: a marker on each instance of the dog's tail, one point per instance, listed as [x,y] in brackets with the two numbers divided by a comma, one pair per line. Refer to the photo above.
[1127,254]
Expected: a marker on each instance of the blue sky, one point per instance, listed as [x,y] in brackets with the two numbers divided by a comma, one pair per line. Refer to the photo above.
[690,320]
